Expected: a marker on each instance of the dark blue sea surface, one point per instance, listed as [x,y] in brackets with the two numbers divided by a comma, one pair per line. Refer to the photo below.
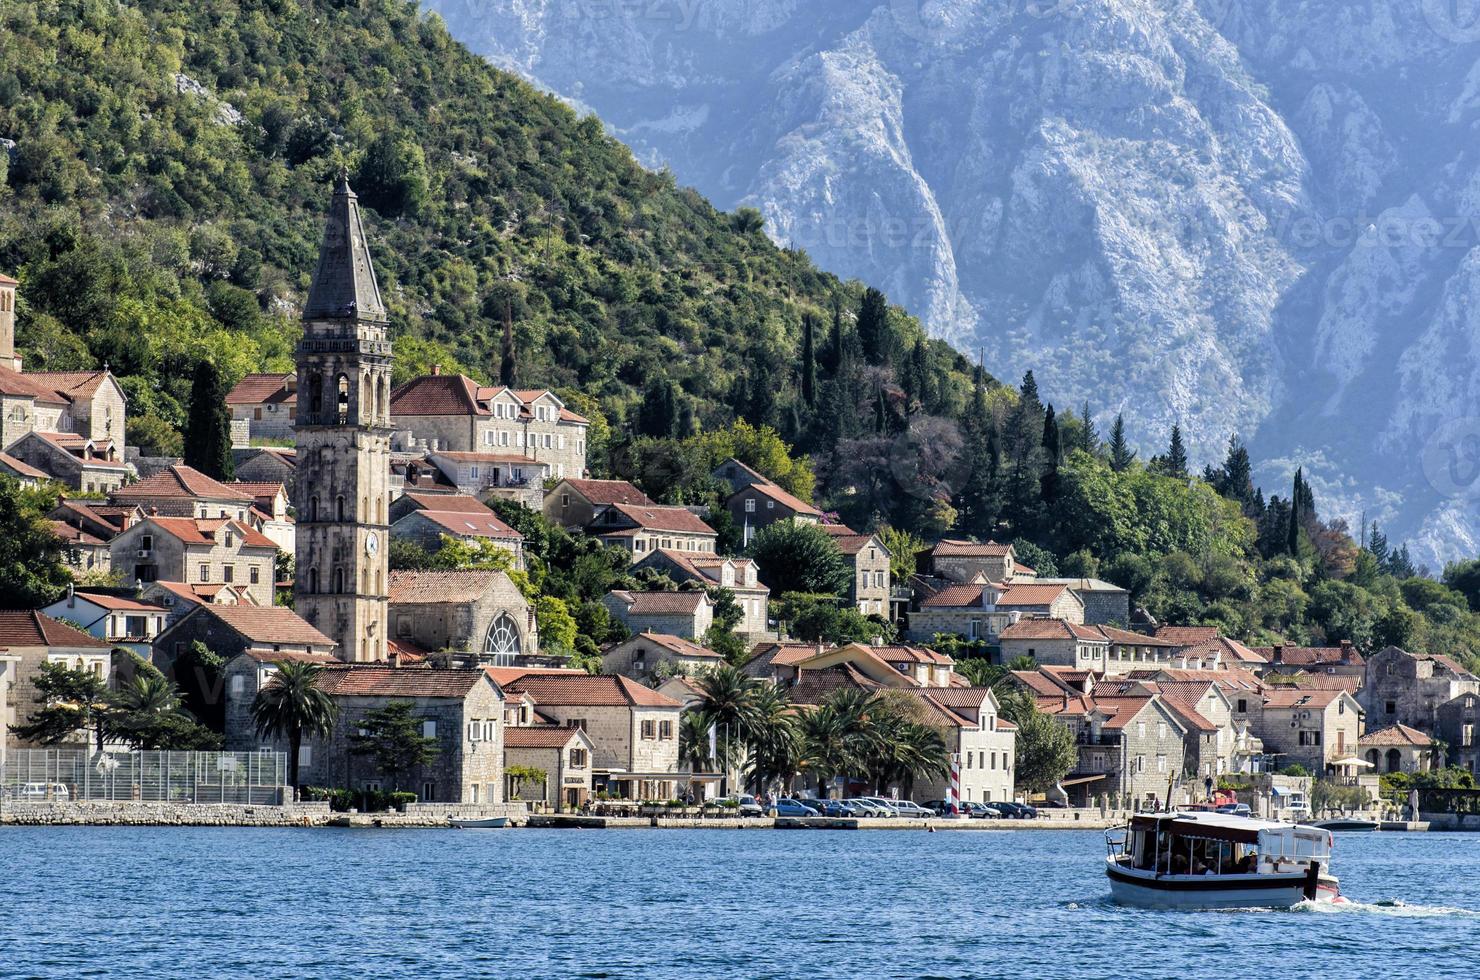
[170,902]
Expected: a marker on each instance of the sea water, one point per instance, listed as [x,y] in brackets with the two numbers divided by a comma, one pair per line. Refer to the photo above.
[179,902]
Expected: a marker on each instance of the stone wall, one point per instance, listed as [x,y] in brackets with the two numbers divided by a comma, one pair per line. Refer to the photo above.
[242,815]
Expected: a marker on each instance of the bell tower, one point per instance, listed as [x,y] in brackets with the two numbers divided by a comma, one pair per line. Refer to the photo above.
[343,430]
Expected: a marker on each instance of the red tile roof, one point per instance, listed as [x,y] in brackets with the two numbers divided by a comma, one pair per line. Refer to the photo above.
[74,535]
[416,587]
[1307,681]
[1186,635]
[607,492]
[504,676]
[1284,698]
[466,524]
[103,601]
[908,654]
[438,394]
[661,603]
[970,549]
[1396,735]
[22,468]
[180,481]
[790,502]
[1122,637]
[261,389]
[539,738]
[1032,595]
[677,644]
[576,690]
[459,502]
[1033,628]
[193,530]
[656,518]
[266,624]
[849,542]
[955,597]
[31,628]
[399,682]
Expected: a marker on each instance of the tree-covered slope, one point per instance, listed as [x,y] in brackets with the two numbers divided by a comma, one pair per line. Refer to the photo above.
[171,160]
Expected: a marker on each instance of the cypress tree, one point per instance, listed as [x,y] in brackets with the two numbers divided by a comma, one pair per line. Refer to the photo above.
[1297,505]
[657,415]
[1176,461]
[208,427]
[1121,453]
[979,500]
[809,361]
[835,345]
[1052,439]
[874,331]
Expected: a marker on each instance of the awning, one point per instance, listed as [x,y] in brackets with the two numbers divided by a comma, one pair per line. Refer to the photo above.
[1353,761]
[1081,779]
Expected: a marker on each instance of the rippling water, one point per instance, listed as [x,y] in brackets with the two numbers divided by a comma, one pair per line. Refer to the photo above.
[647,903]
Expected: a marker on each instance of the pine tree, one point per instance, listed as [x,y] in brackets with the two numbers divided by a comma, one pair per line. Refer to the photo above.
[874,331]
[1121,453]
[507,368]
[979,501]
[1024,459]
[208,426]
[917,376]
[1089,436]
[1176,460]
[1400,564]
[809,361]
[1378,546]
[1235,480]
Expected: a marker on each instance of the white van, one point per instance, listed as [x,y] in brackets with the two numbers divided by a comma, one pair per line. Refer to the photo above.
[43,791]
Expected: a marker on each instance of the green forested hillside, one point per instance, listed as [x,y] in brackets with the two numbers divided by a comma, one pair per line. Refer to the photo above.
[171,162]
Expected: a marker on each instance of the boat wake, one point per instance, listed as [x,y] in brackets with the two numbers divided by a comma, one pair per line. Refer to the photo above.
[1395,907]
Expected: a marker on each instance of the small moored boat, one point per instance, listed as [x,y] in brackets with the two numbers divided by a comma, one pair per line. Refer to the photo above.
[1344,824]
[486,823]
[1218,861]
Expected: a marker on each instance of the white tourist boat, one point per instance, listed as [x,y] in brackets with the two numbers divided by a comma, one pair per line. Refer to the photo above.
[1218,861]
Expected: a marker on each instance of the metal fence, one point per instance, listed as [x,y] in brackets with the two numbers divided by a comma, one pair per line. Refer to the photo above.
[68,775]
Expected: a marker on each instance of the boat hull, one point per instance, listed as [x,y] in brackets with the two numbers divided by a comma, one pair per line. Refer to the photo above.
[1215,892]
[491,823]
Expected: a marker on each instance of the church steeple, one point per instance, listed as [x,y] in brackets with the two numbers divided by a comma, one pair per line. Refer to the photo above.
[343,429]
[344,285]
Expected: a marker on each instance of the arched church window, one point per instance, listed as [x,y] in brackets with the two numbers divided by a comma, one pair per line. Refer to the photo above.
[313,580]
[501,644]
[383,400]
[315,396]
[313,508]
[367,405]
[339,507]
[338,581]
[343,408]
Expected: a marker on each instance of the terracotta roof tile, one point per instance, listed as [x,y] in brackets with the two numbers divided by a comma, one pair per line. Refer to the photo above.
[438,394]
[1186,635]
[179,481]
[539,738]
[1396,735]
[266,624]
[678,645]
[31,628]
[22,468]
[1031,595]
[1033,628]
[459,502]
[418,587]
[970,549]
[261,389]
[465,524]
[607,492]
[661,603]
[193,530]
[656,518]
[399,682]
[955,597]
[576,690]
[787,500]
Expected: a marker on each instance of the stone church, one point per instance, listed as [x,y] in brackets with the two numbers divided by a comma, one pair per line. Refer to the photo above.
[343,431]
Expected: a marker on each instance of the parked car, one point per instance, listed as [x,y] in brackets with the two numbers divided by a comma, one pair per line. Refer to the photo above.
[980,811]
[887,805]
[830,808]
[747,806]
[941,807]
[1055,804]
[786,807]
[1236,809]
[871,808]
[1000,808]
[909,808]
[1025,811]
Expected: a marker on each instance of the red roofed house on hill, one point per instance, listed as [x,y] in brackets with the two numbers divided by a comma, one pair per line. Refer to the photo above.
[574,503]
[966,562]
[1398,748]
[1055,642]
[633,729]
[739,575]
[453,413]
[198,552]
[263,406]
[981,611]
[29,639]
[426,518]
[869,561]
[648,657]
[119,621]
[687,614]
[182,491]
[643,529]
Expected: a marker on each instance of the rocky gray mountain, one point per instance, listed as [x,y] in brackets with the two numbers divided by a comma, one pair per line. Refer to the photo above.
[1250,216]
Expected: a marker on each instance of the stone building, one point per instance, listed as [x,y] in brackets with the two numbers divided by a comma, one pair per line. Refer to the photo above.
[1132,747]
[1338,661]
[686,613]
[1459,725]
[23,473]
[183,491]
[269,511]
[198,551]
[759,505]
[343,430]
[564,754]
[1402,688]
[1397,748]
[29,639]
[649,657]
[479,612]
[1136,651]
[1056,643]
[426,518]
[263,407]
[576,503]
[633,729]
[868,559]
[736,574]
[454,414]
[981,611]
[230,631]
[268,465]
[642,530]
[74,460]
[242,678]
[479,473]
[462,710]
[1308,727]
[120,621]
[1104,602]
[983,743]
[966,562]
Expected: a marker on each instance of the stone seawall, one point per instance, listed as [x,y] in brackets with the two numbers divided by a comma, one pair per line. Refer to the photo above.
[137,814]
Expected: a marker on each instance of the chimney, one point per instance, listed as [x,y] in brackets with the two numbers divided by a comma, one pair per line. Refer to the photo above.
[1279,654]
[8,357]
[436,370]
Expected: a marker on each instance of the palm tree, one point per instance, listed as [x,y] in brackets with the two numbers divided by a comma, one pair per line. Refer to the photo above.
[729,704]
[836,737]
[143,711]
[774,739]
[292,705]
[693,743]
